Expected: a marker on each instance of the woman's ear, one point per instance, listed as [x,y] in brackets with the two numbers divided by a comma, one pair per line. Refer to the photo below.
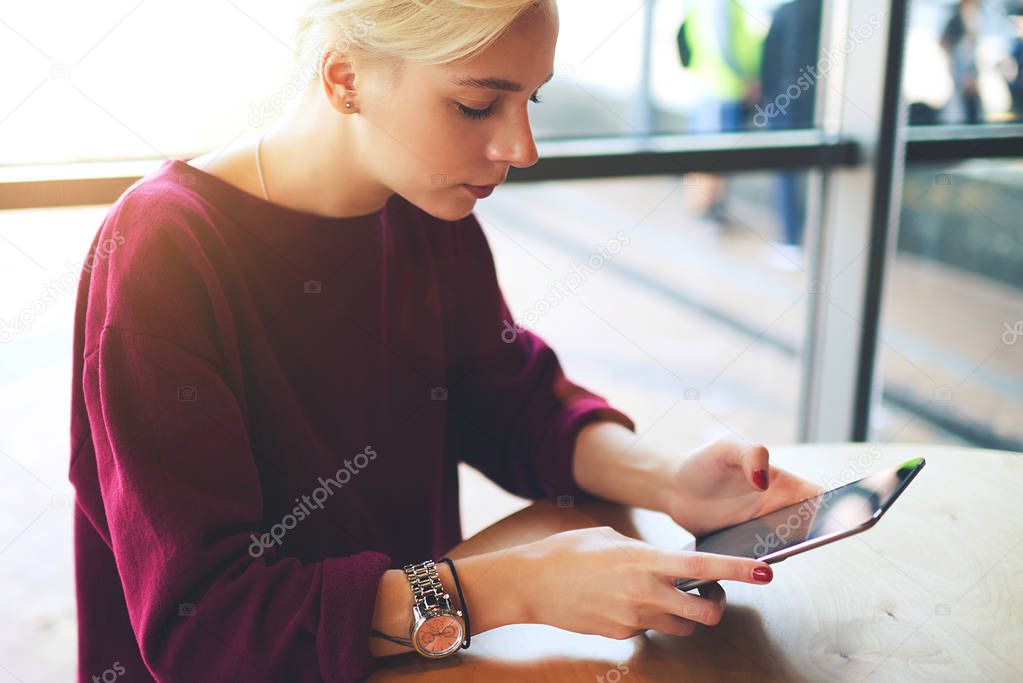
[337,75]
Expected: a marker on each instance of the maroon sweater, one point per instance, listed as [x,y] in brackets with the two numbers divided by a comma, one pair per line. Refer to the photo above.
[268,411]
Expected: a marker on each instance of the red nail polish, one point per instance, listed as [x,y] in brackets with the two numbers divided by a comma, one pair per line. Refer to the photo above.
[760,479]
[763,574]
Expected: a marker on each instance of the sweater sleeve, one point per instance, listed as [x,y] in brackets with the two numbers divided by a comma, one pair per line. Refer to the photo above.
[515,415]
[181,493]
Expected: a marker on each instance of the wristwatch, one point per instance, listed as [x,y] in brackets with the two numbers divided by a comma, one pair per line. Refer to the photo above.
[438,628]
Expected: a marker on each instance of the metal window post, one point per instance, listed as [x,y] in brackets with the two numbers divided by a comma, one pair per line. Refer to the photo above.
[852,251]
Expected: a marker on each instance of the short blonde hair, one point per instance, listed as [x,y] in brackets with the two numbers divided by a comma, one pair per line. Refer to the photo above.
[423,31]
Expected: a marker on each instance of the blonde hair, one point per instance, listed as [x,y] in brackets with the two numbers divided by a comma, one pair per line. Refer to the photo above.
[424,31]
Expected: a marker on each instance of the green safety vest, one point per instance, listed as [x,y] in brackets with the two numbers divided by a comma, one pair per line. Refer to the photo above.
[726,49]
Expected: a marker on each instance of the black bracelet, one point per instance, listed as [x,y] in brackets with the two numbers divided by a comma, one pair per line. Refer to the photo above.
[399,641]
[461,599]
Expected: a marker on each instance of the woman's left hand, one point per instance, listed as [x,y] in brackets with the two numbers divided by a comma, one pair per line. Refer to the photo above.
[728,481]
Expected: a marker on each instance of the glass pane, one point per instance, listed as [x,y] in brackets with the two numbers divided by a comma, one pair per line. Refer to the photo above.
[751,65]
[41,254]
[963,62]
[741,59]
[598,64]
[130,80]
[113,82]
[82,92]
[690,319]
[952,340]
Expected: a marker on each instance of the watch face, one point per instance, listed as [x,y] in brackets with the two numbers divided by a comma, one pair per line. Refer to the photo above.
[439,634]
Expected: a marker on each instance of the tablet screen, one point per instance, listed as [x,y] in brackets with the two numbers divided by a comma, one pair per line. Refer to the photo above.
[829,514]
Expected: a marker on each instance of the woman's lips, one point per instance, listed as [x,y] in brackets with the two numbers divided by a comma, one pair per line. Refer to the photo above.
[479,191]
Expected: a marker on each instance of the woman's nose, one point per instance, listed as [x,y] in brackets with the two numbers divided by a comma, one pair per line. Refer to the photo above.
[514,143]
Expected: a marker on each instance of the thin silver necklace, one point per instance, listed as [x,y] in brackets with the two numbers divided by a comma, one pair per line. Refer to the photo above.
[259,166]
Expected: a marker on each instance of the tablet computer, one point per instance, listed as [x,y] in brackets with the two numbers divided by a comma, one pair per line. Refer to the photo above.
[809,523]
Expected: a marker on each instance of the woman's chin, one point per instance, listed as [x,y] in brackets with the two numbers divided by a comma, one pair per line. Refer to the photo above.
[450,208]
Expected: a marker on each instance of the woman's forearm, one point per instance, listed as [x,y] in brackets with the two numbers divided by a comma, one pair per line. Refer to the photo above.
[609,463]
[490,584]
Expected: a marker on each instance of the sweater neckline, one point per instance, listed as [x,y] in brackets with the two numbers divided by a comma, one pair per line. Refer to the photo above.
[236,197]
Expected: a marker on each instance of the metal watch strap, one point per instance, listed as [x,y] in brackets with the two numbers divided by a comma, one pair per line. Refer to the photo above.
[427,588]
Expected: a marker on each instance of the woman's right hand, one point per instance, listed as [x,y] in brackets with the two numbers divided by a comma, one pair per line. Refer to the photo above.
[601,582]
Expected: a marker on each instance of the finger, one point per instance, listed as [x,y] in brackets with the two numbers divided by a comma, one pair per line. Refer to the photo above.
[700,565]
[714,591]
[753,459]
[755,463]
[808,488]
[673,625]
[804,488]
[702,610]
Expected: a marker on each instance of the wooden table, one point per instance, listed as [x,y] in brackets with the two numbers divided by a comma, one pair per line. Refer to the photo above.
[933,592]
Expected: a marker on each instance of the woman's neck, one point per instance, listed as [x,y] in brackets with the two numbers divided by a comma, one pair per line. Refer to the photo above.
[311,162]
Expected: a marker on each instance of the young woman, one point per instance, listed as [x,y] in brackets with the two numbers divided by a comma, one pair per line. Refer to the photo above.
[283,351]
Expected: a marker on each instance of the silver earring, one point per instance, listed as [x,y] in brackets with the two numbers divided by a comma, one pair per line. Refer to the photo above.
[348,105]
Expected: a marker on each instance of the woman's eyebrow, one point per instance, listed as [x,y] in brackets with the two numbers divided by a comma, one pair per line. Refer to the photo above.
[491,83]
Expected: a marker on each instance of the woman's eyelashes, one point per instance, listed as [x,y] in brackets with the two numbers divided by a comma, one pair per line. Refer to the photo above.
[488,111]
[474,113]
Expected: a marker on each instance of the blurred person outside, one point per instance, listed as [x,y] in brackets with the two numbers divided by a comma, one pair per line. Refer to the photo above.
[1012,65]
[791,51]
[724,44]
[959,40]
